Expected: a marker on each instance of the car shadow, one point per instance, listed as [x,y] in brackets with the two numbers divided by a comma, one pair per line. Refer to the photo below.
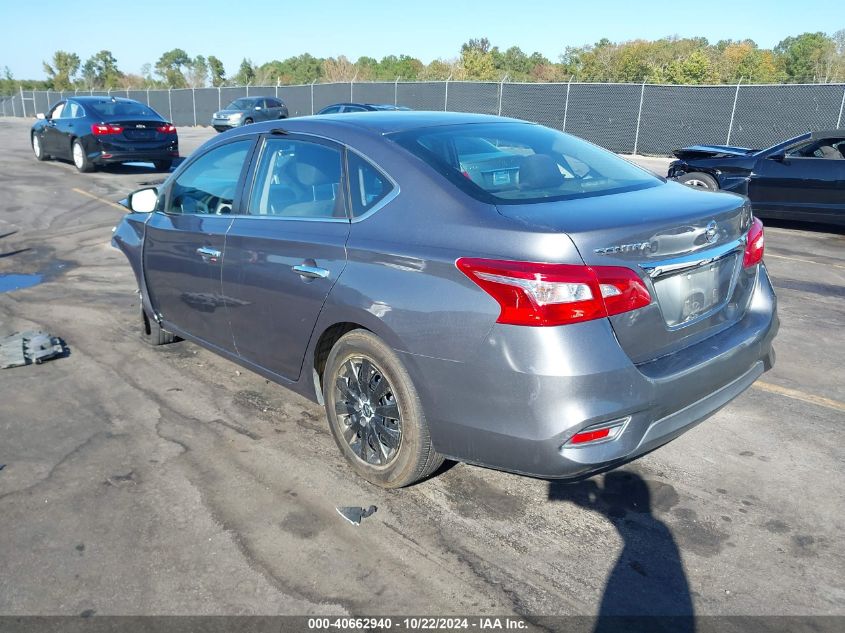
[132,169]
[647,589]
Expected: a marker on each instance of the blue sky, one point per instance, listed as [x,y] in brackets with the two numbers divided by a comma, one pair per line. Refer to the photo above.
[138,32]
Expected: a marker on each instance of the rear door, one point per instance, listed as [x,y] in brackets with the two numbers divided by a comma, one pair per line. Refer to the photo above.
[798,186]
[274,108]
[285,250]
[184,243]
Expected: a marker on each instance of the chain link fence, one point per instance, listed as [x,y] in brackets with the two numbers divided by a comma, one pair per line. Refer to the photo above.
[625,118]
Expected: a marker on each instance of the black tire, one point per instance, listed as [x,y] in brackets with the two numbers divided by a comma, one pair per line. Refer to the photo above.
[80,157]
[247,121]
[699,180]
[38,149]
[163,165]
[414,458]
[152,332]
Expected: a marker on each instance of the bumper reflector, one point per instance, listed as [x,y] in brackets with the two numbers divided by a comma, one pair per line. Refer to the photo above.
[597,433]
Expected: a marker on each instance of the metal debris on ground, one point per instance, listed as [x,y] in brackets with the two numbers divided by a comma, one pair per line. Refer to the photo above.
[25,348]
[355,514]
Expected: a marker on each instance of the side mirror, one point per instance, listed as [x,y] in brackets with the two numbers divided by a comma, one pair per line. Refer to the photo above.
[258,107]
[779,157]
[143,200]
[41,116]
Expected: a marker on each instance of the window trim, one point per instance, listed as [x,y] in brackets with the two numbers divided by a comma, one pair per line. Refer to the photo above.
[249,185]
[238,196]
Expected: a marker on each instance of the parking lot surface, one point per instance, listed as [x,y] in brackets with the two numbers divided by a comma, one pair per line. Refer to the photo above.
[170,481]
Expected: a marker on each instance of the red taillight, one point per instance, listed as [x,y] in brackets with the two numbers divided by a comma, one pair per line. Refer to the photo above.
[540,294]
[755,244]
[167,129]
[104,129]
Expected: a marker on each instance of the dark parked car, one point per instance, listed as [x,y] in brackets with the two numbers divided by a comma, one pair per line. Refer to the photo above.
[94,131]
[248,110]
[553,319]
[360,107]
[800,179]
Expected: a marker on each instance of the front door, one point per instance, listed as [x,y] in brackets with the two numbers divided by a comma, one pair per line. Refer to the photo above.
[798,186]
[51,138]
[185,240]
[285,251]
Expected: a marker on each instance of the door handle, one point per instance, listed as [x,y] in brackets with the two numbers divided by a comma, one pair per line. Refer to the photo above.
[311,272]
[209,255]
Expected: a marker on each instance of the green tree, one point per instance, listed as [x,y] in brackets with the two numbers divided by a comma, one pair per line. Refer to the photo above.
[101,71]
[808,57]
[302,69]
[218,72]
[246,73]
[438,70]
[170,67]
[197,72]
[61,71]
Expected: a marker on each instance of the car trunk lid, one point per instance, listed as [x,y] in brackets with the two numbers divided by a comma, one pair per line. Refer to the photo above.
[686,245]
[140,129]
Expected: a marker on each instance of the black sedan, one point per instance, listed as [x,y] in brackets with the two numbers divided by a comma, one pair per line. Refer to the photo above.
[800,179]
[360,107]
[93,131]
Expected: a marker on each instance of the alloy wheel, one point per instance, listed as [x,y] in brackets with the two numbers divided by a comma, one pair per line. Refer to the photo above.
[78,156]
[695,182]
[36,146]
[367,409]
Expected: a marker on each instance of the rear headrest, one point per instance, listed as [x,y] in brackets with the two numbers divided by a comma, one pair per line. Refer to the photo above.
[539,171]
[317,166]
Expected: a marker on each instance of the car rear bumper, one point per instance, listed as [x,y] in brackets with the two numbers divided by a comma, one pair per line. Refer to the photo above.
[517,404]
[141,156]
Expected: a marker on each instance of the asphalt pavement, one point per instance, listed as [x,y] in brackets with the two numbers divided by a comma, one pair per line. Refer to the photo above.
[142,480]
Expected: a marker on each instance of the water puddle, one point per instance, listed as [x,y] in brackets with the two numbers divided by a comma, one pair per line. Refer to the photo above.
[11,282]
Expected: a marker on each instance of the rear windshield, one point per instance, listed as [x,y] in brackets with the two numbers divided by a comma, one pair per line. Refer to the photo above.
[518,163]
[241,104]
[121,108]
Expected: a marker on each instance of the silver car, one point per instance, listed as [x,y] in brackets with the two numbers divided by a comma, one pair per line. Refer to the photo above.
[248,110]
[458,286]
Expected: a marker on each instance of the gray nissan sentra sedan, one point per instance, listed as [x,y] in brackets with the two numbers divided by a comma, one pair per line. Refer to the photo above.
[458,286]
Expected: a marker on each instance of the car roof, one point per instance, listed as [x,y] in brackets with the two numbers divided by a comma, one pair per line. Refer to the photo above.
[829,134]
[387,121]
[100,99]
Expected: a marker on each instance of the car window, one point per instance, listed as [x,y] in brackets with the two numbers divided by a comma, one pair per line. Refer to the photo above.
[519,163]
[367,185]
[72,111]
[113,107]
[56,112]
[353,108]
[829,148]
[298,179]
[67,111]
[208,185]
[330,110]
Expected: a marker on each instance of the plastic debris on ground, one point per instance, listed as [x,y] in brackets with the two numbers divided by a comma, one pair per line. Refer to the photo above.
[26,348]
[355,514]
